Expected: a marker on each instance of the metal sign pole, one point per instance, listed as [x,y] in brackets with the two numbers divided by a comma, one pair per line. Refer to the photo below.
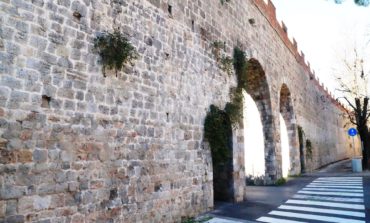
[354,147]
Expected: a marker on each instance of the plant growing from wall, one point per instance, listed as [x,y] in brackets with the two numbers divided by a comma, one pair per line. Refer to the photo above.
[115,50]
[309,149]
[223,1]
[218,123]
[235,108]
[198,220]
[240,66]
[301,148]
[225,62]
[218,132]
[300,135]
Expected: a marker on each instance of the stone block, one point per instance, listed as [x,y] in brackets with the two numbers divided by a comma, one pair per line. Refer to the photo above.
[7,157]
[73,186]
[11,191]
[40,155]
[11,82]
[40,203]
[38,42]
[24,156]
[15,219]
[17,98]
[25,205]
[2,208]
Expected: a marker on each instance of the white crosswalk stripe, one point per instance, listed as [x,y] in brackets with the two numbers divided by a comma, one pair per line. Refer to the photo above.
[331,193]
[333,186]
[332,189]
[326,199]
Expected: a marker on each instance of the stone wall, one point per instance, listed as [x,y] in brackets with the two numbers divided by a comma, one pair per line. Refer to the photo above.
[78,147]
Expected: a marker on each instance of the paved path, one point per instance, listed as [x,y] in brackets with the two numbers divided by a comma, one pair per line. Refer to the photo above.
[332,194]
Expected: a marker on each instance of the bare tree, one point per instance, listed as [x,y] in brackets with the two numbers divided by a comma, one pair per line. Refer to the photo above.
[353,88]
[357,2]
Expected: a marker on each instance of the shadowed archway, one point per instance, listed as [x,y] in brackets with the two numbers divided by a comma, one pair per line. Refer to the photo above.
[258,125]
[288,134]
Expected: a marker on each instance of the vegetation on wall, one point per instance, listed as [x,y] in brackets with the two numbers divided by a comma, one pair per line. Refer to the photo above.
[300,135]
[309,149]
[307,144]
[198,220]
[219,122]
[240,66]
[301,148]
[217,131]
[223,1]
[235,108]
[115,50]
[280,181]
[364,3]
[225,62]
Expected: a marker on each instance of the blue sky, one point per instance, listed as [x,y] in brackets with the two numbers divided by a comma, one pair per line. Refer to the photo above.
[325,31]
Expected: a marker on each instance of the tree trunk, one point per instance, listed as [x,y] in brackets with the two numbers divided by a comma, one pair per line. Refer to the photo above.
[361,120]
[364,135]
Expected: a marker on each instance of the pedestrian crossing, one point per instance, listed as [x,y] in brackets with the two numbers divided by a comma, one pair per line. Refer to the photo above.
[326,199]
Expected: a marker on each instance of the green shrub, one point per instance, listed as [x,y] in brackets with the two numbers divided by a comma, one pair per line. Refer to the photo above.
[193,220]
[115,50]
[309,149]
[280,181]
[218,133]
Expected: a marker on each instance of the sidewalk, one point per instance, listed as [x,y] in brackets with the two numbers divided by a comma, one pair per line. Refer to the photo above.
[341,168]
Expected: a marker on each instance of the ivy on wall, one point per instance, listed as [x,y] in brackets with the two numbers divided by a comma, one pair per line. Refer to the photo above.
[225,62]
[219,122]
[307,144]
[218,132]
[224,1]
[300,135]
[309,149]
[115,50]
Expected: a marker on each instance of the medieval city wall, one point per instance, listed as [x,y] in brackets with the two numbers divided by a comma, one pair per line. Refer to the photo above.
[79,147]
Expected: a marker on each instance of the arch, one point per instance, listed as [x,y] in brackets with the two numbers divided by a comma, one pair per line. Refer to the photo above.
[254,147]
[290,155]
[258,90]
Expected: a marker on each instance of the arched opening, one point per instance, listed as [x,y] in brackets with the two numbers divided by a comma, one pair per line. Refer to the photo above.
[259,148]
[284,141]
[290,157]
[218,131]
[254,147]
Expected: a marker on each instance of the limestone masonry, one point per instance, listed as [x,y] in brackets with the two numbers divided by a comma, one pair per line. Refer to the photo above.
[78,147]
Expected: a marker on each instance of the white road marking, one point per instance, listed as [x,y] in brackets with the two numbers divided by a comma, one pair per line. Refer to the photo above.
[326,198]
[337,183]
[328,204]
[222,220]
[315,217]
[335,190]
[339,179]
[330,186]
[335,178]
[331,193]
[322,210]
[277,220]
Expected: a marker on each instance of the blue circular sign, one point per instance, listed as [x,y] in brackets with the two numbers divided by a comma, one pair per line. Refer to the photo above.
[352,132]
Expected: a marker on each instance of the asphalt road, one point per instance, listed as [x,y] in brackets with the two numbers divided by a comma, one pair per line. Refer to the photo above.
[332,194]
